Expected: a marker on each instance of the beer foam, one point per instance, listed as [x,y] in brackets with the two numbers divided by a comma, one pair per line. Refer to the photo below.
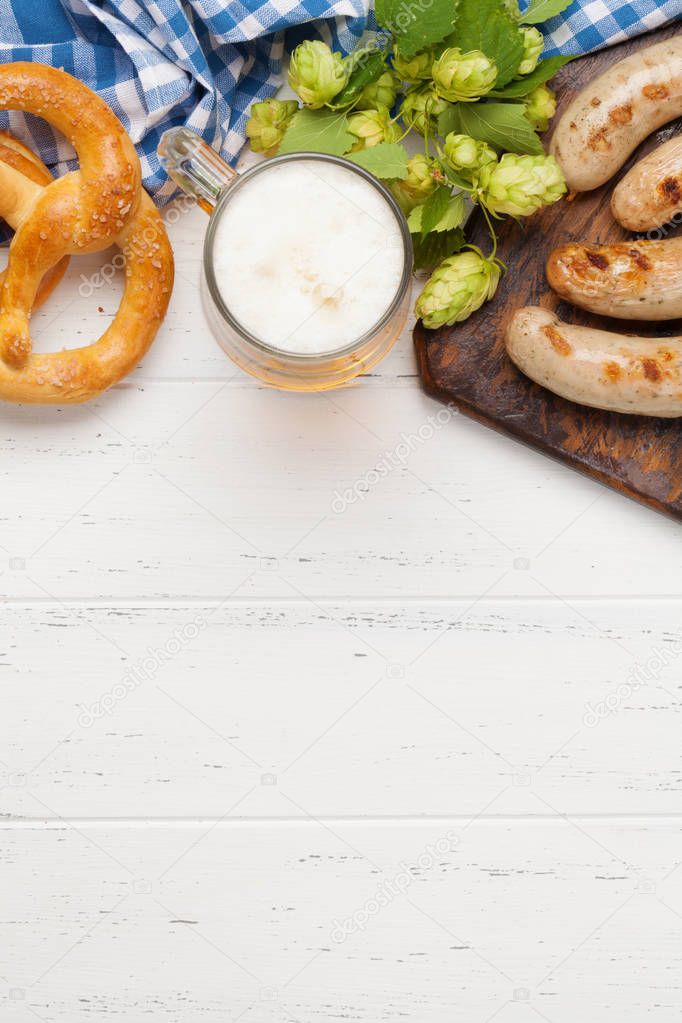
[308,256]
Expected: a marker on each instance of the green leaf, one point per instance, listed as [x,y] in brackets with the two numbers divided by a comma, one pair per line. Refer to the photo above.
[368,67]
[416,25]
[436,247]
[457,179]
[502,125]
[483,25]
[542,10]
[454,216]
[388,160]
[523,86]
[317,131]
[434,209]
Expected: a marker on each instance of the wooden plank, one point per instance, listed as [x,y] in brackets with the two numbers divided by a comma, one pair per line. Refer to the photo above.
[368,922]
[467,364]
[284,710]
[172,491]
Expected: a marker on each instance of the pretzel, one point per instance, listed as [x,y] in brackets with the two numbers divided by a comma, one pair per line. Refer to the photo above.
[87,210]
[15,154]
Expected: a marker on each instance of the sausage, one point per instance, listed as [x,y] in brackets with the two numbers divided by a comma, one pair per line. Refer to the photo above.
[637,280]
[616,372]
[617,110]
[650,194]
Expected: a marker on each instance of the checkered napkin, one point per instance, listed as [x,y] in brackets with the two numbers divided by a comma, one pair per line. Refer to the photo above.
[202,63]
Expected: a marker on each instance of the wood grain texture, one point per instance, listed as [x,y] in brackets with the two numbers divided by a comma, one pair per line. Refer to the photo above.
[370,922]
[402,709]
[467,364]
[188,490]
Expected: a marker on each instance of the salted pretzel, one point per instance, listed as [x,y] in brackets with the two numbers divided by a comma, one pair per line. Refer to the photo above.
[15,154]
[87,210]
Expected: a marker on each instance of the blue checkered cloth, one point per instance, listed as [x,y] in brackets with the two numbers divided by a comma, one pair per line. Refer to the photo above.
[202,63]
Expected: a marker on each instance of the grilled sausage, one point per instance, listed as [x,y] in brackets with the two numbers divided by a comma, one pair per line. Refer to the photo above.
[617,372]
[651,193]
[617,110]
[637,280]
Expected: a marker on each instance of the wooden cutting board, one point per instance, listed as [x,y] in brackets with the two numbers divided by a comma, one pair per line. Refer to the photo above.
[467,365]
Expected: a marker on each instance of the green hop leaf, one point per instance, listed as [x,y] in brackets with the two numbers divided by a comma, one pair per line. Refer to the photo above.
[421,108]
[540,107]
[511,7]
[523,86]
[463,77]
[317,131]
[502,125]
[387,160]
[485,25]
[533,45]
[370,127]
[457,288]
[416,25]
[364,67]
[519,185]
[453,216]
[420,180]
[316,74]
[467,156]
[542,10]
[381,93]
[434,209]
[436,246]
[267,123]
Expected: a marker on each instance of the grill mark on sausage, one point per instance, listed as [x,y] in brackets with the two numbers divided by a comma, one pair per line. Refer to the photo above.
[597,259]
[639,259]
[652,371]
[655,92]
[622,114]
[671,189]
[598,139]
[613,371]
[557,340]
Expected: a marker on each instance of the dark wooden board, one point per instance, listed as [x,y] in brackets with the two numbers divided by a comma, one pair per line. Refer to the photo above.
[467,365]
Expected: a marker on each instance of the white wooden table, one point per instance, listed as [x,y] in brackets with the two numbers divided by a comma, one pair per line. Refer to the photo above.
[272,755]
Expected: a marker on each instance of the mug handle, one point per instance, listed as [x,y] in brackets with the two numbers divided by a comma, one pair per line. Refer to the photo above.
[194,166]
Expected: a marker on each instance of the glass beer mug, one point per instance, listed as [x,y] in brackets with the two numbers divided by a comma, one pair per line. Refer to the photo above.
[306,266]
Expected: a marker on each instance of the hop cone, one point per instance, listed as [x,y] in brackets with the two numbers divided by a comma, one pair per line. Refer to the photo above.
[370,127]
[519,185]
[316,74]
[457,288]
[540,107]
[463,77]
[422,179]
[533,44]
[468,156]
[416,69]
[381,93]
[268,122]
[421,109]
